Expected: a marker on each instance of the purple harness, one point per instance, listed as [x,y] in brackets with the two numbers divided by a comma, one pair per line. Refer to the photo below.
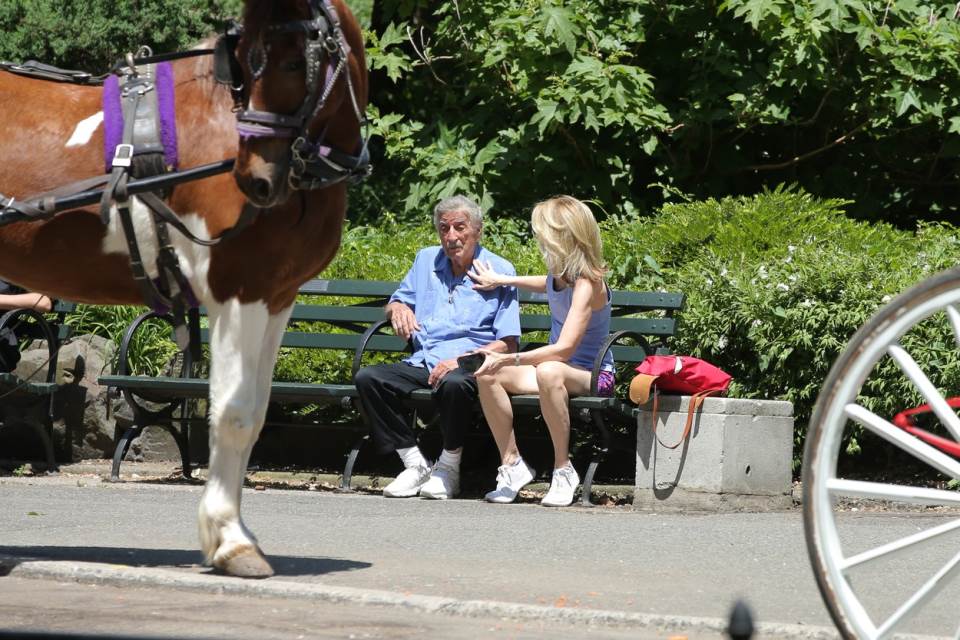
[166,114]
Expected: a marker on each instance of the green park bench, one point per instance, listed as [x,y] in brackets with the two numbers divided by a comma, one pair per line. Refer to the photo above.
[37,401]
[358,327]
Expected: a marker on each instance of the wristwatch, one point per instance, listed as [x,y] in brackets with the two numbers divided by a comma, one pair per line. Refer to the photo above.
[516,359]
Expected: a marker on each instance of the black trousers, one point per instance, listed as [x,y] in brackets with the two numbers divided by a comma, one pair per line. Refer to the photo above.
[383,388]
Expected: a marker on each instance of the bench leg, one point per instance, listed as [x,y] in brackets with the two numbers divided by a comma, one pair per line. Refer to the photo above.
[588,483]
[182,437]
[44,436]
[123,444]
[598,453]
[351,460]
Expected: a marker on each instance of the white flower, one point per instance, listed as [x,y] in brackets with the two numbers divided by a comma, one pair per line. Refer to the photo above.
[756,323]
[807,303]
[792,277]
[791,248]
[722,342]
[885,299]
[723,272]
[762,271]
[783,287]
[709,282]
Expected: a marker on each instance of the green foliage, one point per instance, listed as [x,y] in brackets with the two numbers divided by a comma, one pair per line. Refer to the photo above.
[151,350]
[628,104]
[93,34]
[777,284]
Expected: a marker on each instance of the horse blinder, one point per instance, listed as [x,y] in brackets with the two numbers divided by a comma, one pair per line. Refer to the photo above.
[226,66]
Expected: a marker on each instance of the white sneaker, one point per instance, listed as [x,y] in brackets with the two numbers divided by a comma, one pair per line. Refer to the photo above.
[510,479]
[408,483]
[444,482]
[562,487]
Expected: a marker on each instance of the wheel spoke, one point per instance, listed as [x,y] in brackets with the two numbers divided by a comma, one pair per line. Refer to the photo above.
[921,450]
[954,316]
[894,492]
[924,593]
[940,407]
[898,545]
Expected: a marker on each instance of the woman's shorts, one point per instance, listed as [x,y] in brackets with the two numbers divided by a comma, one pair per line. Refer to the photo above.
[605,383]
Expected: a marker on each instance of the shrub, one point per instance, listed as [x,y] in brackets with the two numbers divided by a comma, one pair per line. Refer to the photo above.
[777,284]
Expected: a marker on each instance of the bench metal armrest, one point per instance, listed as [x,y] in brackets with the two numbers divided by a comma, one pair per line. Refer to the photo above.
[612,339]
[371,331]
[53,346]
[123,364]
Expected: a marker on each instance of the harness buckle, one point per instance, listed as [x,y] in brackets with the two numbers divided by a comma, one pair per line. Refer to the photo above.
[123,156]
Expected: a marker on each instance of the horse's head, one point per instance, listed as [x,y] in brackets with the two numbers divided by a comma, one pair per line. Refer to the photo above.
[300,86]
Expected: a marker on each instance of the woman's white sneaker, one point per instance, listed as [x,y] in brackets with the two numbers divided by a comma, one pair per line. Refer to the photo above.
[510,479]
[562,487]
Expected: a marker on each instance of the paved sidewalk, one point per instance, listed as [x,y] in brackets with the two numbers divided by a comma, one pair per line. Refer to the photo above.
[406,567]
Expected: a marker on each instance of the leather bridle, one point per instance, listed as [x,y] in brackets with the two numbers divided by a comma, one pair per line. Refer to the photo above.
[313,163]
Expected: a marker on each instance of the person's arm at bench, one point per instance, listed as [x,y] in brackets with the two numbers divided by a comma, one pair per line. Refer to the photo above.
[574,328]
[35,301]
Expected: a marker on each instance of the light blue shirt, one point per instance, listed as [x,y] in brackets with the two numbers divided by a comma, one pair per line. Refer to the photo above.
[454,317]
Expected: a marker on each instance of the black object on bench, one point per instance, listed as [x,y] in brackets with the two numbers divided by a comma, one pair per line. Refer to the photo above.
[631,339]
[39,402]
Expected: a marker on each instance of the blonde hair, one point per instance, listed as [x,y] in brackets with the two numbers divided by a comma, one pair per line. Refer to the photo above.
[569,239]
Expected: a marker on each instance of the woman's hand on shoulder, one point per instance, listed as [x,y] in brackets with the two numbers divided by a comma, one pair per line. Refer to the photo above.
[484,276]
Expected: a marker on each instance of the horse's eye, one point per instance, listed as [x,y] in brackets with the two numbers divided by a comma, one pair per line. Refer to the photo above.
[295,65]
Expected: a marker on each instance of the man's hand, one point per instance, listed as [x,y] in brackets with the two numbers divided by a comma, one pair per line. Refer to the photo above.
[443,368]
[402,319]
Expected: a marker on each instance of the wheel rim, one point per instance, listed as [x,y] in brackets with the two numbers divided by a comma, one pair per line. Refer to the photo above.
[838,407]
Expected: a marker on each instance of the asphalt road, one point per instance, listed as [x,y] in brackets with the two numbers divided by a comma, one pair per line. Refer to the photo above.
[366,566]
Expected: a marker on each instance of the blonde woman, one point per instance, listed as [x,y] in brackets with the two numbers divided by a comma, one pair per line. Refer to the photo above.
[579,301]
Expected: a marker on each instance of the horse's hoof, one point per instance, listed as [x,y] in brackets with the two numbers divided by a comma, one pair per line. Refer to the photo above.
[244,562]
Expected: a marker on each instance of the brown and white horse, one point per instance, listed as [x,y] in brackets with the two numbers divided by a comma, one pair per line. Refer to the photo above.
[52,134]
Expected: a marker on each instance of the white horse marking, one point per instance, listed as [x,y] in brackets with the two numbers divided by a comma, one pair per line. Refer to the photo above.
[244,341]
[84,130]
[194,258]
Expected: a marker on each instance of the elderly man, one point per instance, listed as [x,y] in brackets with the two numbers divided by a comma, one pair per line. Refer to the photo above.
[437,307]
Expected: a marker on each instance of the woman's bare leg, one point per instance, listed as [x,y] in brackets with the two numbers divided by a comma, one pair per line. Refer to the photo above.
[557,381]
[494,391]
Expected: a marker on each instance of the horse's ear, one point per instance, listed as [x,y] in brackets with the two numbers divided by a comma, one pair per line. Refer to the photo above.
[226,67]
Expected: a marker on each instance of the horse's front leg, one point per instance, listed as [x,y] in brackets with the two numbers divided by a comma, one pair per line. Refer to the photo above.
[244,340]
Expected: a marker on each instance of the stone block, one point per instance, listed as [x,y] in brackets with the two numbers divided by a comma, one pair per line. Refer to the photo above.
[738,455]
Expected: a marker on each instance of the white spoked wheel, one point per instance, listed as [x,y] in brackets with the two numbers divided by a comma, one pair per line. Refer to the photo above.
[884,573]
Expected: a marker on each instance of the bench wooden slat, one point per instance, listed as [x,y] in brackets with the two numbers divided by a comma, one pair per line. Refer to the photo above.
[338,341]
[349,288]
[333,313]
[172,388]
[8,381]
[645,326]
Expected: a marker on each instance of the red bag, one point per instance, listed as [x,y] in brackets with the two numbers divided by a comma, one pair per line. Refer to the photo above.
[905,420]
[685,375]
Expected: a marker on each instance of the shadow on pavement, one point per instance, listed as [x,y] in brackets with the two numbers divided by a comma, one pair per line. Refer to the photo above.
[138,557]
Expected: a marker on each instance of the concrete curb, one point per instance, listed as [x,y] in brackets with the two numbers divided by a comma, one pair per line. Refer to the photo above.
[118,576]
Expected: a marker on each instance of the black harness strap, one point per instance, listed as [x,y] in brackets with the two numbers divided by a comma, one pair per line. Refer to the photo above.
[171,290]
